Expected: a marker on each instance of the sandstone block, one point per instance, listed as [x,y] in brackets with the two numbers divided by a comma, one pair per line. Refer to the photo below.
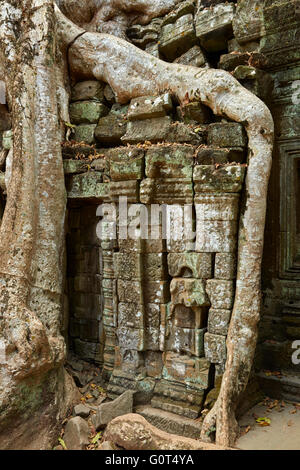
[106,412]
[85,133]
[216,236]
[218,321]
[126,164]
[152,130]
[189,317]
[169,162]
[189,292]
[217,207]
[87,185]
[226,134]
[76,436]
[196,265]
[166,191]
[214,26]
[110,129]
[225,266]
[193,113]
[193,56]
[88,90]
[220,293]
[87,112]
[228,179]
[176,38]
[149,107]
[215,348]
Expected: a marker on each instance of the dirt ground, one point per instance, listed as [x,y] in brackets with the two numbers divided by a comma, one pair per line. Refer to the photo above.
[280,430]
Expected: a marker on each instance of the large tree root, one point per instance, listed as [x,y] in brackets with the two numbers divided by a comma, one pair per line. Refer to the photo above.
[133,432]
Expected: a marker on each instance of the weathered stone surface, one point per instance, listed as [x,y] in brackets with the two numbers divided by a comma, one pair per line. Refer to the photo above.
[131,338]
[257,81]
[126,431]
[109,95]
[88,90]
[7,139]
[225,266]
[190,292]
[183,8]
[220,293]
[152,291]
[182,133]
[176,38]
[196,265]
[85,133]
[128,266]
[217,207]
[212,156]
[218,321]
[87,185]
[108,411]
[194,112]
[76,436]
[74,166]
[215,348]
[110,129]
[170,162]
[131,315]
[193,56]
[190,370]
[129,189]
[152,130]
[149,107]
[126,164]
[87,112]
[248,22]
[82,411]
[189,317]
[216,236]
[88,350]
[107,445]
[226,134]
[166,191]
[170,422]
[227,179]
[153,363]
[143,35]
[214,26]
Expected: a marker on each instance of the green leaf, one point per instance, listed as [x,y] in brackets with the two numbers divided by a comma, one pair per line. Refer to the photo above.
[97,437]
[62,443]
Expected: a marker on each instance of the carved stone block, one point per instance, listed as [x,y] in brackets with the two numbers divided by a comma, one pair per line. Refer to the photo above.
[196,265]
[149,107]
[218,321]
[226,134]
[189,292]
[169,162]
[214,26]
[227,179]
[220,293]
[126,164]
[215,348]
[176,38]
[225,266]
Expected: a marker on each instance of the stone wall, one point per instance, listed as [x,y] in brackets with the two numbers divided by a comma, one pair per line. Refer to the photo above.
[166,301]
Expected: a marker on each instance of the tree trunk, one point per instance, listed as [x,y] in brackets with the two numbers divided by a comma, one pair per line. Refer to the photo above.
[32,229]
